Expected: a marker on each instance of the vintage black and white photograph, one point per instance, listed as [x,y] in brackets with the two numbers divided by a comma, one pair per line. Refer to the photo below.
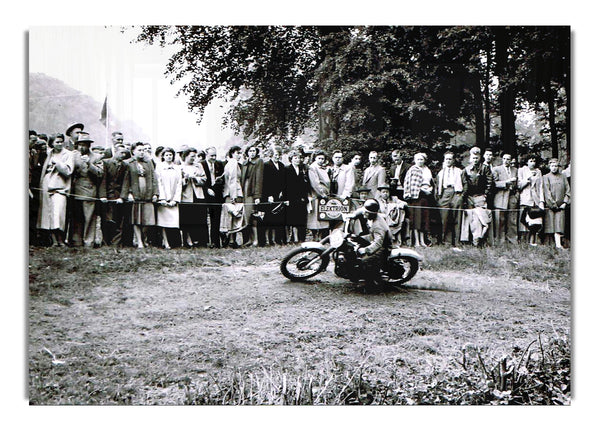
[315,215]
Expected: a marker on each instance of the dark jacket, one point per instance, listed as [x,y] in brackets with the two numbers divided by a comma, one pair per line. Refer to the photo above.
[379,236]
[112,180]
[252,178]
[273,180]
[217,186]
[131,182]
[477,180]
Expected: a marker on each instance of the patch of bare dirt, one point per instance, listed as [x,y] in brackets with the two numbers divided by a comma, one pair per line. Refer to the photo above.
[144,337]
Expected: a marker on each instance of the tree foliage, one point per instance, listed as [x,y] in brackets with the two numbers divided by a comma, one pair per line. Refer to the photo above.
[373,87]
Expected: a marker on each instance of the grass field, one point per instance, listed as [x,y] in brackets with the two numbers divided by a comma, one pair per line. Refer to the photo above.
[476,326]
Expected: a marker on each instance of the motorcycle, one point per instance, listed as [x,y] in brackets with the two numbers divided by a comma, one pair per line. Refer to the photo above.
[312,258]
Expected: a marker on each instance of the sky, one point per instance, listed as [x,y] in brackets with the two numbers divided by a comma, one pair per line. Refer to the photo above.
[101,61]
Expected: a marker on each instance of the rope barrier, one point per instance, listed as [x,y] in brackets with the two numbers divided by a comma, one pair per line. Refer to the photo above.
[121,200]
[263,203]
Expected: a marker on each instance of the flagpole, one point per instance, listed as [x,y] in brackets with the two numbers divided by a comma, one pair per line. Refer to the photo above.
[107,121]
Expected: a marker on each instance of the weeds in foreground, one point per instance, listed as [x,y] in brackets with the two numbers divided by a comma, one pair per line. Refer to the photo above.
[525,377]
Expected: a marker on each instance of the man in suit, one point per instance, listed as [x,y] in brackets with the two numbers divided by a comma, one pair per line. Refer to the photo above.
[213,190]
[448,194]
[396,174]
[87,173]
[374,175]
[273,188]
[477,182]
[342,177]
[112,213]
[506,200]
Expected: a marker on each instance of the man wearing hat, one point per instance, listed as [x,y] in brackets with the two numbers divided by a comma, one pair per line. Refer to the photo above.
[72,133]
[393,210]
[32,138]
[380,241]
[359,225]
[87,174]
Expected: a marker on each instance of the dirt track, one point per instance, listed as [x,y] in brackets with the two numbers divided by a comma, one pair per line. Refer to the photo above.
[144,337]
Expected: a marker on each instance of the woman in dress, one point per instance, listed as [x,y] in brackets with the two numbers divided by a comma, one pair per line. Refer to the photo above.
[55,184]
[418,189]
[295,192]
[141,188]
[192,216]
[233,196]
[556,196]
[252,187]
[530,190]
[169,178]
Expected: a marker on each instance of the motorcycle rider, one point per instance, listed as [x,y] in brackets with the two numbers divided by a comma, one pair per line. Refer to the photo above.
[374,255]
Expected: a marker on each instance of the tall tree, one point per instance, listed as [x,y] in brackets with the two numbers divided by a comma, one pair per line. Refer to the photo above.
[506,92]
[543,55]
[368,87]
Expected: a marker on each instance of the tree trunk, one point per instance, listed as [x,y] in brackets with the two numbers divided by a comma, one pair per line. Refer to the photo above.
[568,118]
[479,112]
[486,98]
[552,119]
[506,96]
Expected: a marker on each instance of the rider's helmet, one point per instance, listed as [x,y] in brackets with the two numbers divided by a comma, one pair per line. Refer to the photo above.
[371,208]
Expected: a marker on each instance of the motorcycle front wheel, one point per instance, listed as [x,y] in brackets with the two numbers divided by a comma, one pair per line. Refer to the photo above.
[303,263]
[402,269]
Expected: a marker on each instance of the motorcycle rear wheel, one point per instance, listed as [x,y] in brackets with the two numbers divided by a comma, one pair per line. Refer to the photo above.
[410,267]
[293,265]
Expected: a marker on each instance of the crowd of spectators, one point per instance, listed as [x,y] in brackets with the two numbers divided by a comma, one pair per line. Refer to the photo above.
[129,195]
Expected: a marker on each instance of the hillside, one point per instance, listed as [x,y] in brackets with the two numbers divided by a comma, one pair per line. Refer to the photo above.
[53,106]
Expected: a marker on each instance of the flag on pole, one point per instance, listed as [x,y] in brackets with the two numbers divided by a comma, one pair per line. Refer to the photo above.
[104,113]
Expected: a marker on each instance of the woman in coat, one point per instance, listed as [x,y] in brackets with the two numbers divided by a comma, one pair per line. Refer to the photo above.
[232,214]
[320,183]
[295,192]
[140,187]
[169,178]
[556,195]
[274,180]
[192,214]
[55,185]
[530,190]
[252,186]
[418,189]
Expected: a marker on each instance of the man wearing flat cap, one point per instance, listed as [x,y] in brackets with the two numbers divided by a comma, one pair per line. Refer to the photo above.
[87,175]
[393,210]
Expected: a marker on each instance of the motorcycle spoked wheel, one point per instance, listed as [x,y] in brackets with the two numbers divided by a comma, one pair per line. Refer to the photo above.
[293,265]
[409,265]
